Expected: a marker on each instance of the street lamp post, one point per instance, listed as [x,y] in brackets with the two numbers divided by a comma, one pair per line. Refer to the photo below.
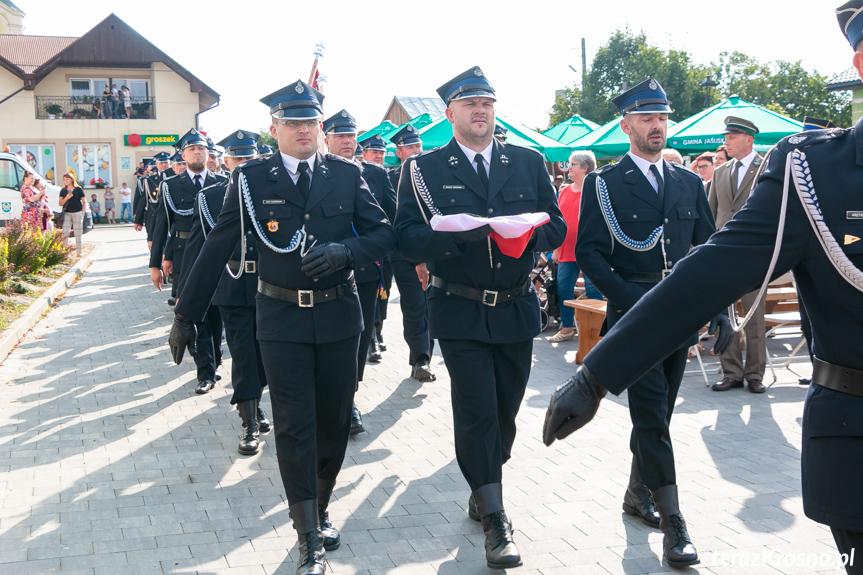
[708,85]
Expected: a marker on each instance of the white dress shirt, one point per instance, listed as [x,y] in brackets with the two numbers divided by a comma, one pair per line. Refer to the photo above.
[203,175]
[292,165]
[644,166]
[744,167]
[486,156]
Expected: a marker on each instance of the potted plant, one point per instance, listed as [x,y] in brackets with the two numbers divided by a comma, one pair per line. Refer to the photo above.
[79,112]
[53,110]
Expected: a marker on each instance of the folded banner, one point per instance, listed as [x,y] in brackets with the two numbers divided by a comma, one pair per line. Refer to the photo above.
[510,233]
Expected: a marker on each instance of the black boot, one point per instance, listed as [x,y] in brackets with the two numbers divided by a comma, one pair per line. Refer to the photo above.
[500,549]
[249,438]
[421,370]
[356,421]
[374,349]
[379,327]
[331,536]
[312,556]
[637,499]
[676,545]
[263,422]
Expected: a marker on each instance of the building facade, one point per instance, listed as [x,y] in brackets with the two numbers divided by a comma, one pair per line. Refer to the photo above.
[53,114]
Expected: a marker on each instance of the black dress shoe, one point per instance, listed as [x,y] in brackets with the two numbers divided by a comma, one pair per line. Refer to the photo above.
[356,421]
[755,386]
[218,376]
[637,502]
[500,549]
[726,384]
[172,301]
[421,370]
[374,350]
[312,560]
[572,405]
[263,422]
[380,338]
[676,545]
[205,386]
[249,439]
[330,534]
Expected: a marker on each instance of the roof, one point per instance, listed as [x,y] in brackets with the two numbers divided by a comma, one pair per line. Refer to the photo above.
[416,106]
[28,53]
[847,80]
[11,5]
[32,58]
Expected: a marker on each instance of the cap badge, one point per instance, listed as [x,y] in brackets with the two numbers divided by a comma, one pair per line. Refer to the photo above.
[411,129]
[240,135]
[653,85]
[453,161]
[299,89]
[477,71]
[794,140]
[504,160]
[344,114]
[273,226]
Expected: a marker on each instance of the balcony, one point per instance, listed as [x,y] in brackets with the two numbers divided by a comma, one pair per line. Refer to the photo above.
[87,107]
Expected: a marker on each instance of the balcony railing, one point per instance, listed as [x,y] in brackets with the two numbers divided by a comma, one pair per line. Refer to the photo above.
[89,107]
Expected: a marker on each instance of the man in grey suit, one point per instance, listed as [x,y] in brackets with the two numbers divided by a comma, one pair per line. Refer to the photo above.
[732,184]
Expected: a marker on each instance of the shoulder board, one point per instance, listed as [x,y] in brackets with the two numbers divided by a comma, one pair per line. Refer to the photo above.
[811,138]
[253,164]
[333,157]
[174,177]
[605,169]
[219,184]
[423,154]
[521,149]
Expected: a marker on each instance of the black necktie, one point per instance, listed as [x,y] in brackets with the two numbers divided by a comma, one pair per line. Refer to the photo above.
[735,174]
[480,171]
[198,181]
[660,185]
[303,180]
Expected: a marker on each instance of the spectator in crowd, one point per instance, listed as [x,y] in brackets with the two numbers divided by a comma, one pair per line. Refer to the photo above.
[47,216]
[127,100]
[95,209]
[558,183]
[97,107]
[115,93]
[721,156]
[569,199]
[125,202]
[703,166]
[110,214]
[107,102]
[31,200]
[74,202]
[672,155]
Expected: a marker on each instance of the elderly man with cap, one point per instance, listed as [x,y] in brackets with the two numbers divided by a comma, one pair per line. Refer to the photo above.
[411,276]
[638,218]
[482,306]
[729,190]
[172,226]
[340,136]
[149,190]
[235,295]
[374,150]
[316,222]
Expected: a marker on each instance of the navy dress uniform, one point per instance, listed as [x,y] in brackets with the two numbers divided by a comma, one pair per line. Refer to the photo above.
[235,298]
[172,226]
[482,306]
[150,186]
[309,318]
[638,219]
[412,297]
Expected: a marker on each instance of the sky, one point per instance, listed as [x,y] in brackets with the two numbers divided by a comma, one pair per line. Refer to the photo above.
[376,49]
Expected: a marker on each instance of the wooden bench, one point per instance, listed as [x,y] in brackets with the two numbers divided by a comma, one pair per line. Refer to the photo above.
[589,314]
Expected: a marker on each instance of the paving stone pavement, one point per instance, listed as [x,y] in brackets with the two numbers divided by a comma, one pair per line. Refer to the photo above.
[109,463]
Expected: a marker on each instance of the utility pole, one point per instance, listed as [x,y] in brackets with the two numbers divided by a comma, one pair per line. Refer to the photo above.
[583,65]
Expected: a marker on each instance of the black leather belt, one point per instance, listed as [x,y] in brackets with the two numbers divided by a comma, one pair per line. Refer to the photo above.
[642,277]
[305,298]
[837,378]
[183,235]
[251,266]
[484,296]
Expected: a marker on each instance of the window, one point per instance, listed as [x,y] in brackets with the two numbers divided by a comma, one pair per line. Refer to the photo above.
[81,87]
[11,174]
[140,89]
[40,157]
[91,163]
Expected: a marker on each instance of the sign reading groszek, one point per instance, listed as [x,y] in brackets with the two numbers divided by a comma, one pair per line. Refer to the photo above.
[135,140]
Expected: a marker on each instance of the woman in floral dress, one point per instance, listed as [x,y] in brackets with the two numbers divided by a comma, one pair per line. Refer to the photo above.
[31,198]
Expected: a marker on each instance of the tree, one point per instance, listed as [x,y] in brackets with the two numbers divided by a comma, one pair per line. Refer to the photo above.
[266,138]
[565,106]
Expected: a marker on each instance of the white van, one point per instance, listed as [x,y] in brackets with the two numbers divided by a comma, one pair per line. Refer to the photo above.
[12,168]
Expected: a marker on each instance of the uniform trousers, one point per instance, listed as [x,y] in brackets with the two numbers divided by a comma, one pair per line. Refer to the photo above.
[756,346]
[205,355]
[846,542]
[177,265]
[387,281]
[651,403]
[414,308]
[312,392]
[368,292]
[247,367]
[214,318]
[487,385]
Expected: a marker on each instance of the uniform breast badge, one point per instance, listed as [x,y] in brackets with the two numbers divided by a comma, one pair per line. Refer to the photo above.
[273,226]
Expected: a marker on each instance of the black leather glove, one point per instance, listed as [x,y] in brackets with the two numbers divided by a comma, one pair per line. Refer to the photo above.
[183,335]
[473,235]
[572,405]
[724,334]
[325,259]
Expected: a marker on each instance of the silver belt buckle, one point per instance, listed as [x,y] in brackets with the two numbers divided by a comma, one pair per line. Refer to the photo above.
[305,298]
[489,298]
[251,268]
[665,273]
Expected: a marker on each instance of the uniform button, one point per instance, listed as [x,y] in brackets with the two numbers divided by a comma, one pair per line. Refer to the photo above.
[251,249]
[306,217]
[315,279]
[667,242]
[311,237]
[452,201]
[498,265]
[634,216]
[448,254]
[361,269]
[521,195]
[670,263]
[688,213]
[490,210]
[666,220]
[271,213]
[340,207]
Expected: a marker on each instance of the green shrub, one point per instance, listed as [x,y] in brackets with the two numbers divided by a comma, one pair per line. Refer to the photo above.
[53,248]
[5,268]
[24,247]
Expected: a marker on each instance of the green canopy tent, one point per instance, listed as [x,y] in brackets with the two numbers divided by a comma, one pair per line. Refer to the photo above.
[570,130]
[607,141]
[703,131]
[384,127]
[390,158]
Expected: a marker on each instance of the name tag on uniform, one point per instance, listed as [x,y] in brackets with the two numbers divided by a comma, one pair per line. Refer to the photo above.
[453,187]
[268,202]
[854,215]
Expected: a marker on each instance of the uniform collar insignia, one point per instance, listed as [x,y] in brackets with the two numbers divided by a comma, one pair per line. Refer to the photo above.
[504,160]
[453,162]
[274,173]
[325,171]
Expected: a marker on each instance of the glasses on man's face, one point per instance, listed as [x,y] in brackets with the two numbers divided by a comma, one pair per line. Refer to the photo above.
[297,124]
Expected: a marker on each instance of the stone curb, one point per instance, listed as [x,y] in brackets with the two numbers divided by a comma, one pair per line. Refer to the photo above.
[11,336]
